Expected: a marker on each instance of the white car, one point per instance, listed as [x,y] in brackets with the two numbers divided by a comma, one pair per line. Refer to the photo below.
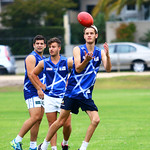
[129,56]
[7,61]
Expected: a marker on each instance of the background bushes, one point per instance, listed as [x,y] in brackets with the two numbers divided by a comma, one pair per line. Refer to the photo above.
[20,39]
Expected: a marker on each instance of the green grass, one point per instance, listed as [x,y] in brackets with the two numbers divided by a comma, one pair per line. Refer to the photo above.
[124,109]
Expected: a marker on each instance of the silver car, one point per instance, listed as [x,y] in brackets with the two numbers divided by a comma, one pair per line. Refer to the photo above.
[7,60]
[129,56]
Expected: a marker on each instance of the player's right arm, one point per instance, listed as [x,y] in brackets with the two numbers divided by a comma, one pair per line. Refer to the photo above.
[36,71]
[77,59]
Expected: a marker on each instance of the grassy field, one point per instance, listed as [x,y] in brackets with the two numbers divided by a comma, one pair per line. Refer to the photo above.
[124,109]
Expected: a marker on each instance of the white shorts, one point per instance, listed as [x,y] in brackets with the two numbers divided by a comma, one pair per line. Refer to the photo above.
[34,102]
[52,104]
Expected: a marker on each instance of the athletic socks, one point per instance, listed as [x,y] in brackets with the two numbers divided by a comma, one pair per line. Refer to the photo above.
[18,139]
[33,144]
[64,142]
[54,147]
[45,144]
[84,145]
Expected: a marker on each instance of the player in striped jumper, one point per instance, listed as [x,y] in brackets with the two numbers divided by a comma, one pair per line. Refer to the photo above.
[56,69]
[86,61]
[31,95]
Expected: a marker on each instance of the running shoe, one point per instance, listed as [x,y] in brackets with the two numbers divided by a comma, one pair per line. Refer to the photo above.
[64,147]
[39,147]
[33,149]
[16,146]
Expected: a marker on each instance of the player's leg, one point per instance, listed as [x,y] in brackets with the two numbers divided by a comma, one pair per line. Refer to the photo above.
[51,105]
[94,117]
[36,113]
[66,133]
[64,114]
[35,116]
[34,132]
[51,117]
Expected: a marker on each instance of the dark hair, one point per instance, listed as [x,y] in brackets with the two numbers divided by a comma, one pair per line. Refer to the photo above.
[54,39]
[39,37]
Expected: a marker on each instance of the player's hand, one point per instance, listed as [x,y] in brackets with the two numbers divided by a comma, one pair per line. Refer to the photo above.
[88,56]
[40,94]
[106,49]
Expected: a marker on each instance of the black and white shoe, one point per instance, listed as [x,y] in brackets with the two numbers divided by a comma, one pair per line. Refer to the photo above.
[39,147]
[64,147]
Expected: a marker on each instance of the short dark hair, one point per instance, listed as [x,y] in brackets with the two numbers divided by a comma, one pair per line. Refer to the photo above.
[54,39]
[39,37]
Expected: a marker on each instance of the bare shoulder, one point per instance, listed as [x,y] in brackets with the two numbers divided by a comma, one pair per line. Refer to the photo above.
[70,59]
[76,50]
[70,62]
[30,58]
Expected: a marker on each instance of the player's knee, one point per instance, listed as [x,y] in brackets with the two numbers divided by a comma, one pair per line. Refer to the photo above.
[50,123]
[61,123]
[38,118]
[96,121]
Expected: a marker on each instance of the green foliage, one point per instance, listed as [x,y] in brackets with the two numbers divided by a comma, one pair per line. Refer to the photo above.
[109,6]
[146,38]
[125,32]
[20,39]
[100,23]
[77,34]
[33,13]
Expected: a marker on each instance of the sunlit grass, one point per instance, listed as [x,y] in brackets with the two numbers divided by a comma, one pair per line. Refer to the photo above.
[124,108]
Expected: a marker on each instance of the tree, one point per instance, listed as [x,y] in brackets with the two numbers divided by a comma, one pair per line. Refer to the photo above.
[109,6]
[31,13]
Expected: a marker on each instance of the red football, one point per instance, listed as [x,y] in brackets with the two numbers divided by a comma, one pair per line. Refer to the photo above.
[85,19]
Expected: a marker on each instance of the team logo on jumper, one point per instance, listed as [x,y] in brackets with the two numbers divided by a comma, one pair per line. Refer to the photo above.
[49,69]
[96,58]
[62,68]
[88,91]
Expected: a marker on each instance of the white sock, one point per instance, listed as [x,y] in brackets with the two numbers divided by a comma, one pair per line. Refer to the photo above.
[33,144]
[45,145]
[18,139]
[54,147]
[65,142]
[84,145]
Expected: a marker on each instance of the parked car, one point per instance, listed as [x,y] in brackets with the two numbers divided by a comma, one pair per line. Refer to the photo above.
[129,56]
[7,60]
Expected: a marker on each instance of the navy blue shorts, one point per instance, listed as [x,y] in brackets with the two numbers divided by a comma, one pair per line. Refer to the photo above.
[75,104]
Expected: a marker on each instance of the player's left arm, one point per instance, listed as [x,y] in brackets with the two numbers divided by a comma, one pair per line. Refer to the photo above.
[106,58]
